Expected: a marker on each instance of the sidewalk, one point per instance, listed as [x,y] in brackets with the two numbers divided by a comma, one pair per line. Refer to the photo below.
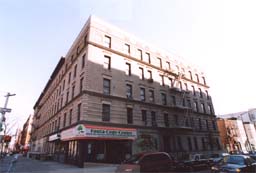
[25,165]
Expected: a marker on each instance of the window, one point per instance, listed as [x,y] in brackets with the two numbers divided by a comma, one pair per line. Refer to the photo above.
[200,123]
[162,80]
[70,116]
[107,41]
[127,48]
[75,69]
[105,112]
[81,84]
[189,144]
[83,60]
[204,80]
[63,85]
[85,39]
[107,62]
[210,109]
[200,92]
[190,74]
[79,112]
[197,78]
[129,91]
[168,66]
[207,94]
[151,96]
[129,116]
[69,77]
[128,69]
[203,143]
[166,120]
[64,120]
[59,119]
[213,125]
[148,58]
[139,51]
[171,82]
[195,143]
[142,94]
[163,98]
[173,100]
[195,106]
[180,84]
[194,91]
[203,108]
[180,147]
[106,86]
[153,118]
[186,86]
[67,97]
[150,75]
[160,62]
[176,120]
[144,116]
[73,91]
[189,103]
[207,125]
[141,73]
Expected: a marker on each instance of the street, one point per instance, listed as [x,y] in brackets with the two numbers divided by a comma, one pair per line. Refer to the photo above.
[25,165]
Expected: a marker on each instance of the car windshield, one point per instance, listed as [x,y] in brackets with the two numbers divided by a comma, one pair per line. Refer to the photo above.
[133,158]
[215,156]
[234,160]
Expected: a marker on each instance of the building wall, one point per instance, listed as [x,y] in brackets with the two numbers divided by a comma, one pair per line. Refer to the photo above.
[58,98]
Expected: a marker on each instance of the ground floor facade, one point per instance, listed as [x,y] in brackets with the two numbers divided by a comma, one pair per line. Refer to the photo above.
[109,144]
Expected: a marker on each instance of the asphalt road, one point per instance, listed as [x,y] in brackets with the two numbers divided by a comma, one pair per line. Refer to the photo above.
[24,165]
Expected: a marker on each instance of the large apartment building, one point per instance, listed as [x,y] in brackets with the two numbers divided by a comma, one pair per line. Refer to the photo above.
[114,95]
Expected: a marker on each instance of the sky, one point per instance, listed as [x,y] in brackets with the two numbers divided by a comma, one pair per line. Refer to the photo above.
[218,36]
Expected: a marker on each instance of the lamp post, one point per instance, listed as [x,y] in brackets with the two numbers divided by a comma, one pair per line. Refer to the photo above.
[2,120]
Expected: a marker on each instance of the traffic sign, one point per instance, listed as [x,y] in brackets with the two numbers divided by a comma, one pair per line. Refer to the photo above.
[5,110]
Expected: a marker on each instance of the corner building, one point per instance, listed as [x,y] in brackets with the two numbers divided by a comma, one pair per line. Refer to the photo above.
[114,95]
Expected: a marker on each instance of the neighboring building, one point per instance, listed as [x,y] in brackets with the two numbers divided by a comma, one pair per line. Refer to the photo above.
[251,134]
[232,134]
[26,134]
[114,95]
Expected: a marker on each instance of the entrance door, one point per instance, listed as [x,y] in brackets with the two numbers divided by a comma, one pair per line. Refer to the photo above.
[117,151]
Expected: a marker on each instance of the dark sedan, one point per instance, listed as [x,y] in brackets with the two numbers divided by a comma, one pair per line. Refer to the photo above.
[235,163]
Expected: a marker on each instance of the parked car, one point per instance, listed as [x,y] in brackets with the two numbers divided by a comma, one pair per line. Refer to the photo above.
[147,162]
[235,163]
[194,162]
[253,156]
[217,157]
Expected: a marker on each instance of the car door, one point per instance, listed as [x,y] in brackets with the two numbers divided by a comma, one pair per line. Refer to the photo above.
[147,163]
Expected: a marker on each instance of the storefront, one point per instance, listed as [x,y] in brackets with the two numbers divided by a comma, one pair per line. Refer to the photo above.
[90,143]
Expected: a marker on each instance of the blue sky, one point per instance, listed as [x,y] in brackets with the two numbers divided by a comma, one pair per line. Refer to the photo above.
[218,36]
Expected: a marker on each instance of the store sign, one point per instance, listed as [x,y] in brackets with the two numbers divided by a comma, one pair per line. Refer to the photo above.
[54,137]
[89,131]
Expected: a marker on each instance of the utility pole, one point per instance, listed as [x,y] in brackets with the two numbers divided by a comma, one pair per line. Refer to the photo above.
[2,118]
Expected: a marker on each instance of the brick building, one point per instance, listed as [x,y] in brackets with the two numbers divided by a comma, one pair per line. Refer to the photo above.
[114,95]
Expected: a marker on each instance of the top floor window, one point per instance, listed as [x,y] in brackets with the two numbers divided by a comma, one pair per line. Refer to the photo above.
[139,52]
[190,74]
[127,48]
[204,80]
[197,78]
[160,62]
[148,58]
[168,66]
[107,41]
